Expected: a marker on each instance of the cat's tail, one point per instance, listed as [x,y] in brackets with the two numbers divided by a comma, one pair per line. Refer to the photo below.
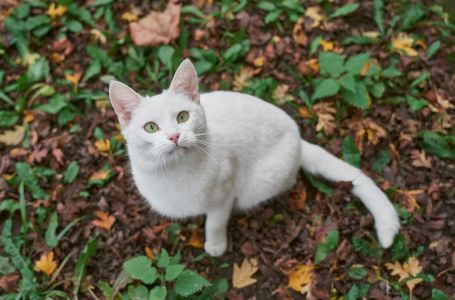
[318,161]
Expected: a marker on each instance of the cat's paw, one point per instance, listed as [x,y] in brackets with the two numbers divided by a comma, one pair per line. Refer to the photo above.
[387,229]
[216,248]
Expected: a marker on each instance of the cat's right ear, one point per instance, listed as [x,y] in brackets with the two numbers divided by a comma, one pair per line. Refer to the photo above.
[124,100]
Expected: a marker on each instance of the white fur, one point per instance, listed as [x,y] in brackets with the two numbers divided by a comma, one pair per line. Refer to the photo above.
[234,152]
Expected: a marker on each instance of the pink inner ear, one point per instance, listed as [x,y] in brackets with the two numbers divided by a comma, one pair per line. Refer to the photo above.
[124,100]
[185,81]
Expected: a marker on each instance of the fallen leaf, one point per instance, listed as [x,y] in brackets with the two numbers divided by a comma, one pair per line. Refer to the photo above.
[326,45]
[29,59]
[403,44]
[105,221]
[316,16]
[9,282]
[102,145]
[326,116]
[420,159]
[129,16]
[408,269]
[259,62]
[281,95]
[13,137]
[298,32]
[157,27]
[74,78]
[149,253]
[241,276]
[100,175]
[46,263]
[195,240]
[305,112]
[301,278]
[314,65]
[410,198]
[241,79]
[98,35]
[54,11]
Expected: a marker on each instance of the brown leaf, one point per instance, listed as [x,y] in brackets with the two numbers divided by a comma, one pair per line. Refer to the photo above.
[420,159]
[408,269]
[105,221]
[13,137]
[299,34]
[157,27]
[326,116]
[242,276]
[46,263]
[9,282]
[37,156]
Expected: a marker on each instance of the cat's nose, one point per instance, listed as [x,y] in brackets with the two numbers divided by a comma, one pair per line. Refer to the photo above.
[174,137]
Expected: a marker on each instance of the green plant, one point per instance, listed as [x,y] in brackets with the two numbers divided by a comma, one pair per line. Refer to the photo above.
[164,279]
[274,9]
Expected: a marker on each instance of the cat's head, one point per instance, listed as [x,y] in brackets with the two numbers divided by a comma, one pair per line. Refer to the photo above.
[164,128]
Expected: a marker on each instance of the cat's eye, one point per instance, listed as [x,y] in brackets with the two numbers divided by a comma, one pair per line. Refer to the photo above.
[182,117]
[151,127]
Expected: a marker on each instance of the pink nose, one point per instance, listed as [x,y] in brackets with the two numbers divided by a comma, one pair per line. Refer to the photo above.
[174,137]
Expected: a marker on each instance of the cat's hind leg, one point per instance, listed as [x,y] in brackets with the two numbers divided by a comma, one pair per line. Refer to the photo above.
[318,161]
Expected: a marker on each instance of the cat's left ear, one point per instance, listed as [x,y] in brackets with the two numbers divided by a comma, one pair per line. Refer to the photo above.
[185,81]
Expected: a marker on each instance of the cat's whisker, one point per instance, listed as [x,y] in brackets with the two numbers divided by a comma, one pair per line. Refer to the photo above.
[203,151]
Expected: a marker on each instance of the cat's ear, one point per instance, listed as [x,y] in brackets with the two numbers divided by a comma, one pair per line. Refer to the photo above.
[185,81]
[124,100]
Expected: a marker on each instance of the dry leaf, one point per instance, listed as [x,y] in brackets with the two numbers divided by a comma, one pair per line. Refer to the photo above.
[259,62]
[29,59]
[129,16]
[100,175]
[316,15]
[103,145]
[301,278]
[13,137]
[403,43]
[410,198]
[149,253]
[314,65]
[299,34]
[410,268]
[98,35]
[54,11]
[46,263]
[300,200]
[305,112]
[195,240]
[420,159]
[157,27]
[74,78]
[241,79]
[105,221]
[241,276]
[280,94]
[326,45]
[326,114]
[9,282]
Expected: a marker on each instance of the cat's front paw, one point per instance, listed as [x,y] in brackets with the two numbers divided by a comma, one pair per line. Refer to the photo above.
[215,248]
[387,228]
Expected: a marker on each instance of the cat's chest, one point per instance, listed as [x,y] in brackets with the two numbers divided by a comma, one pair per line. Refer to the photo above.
[172,195]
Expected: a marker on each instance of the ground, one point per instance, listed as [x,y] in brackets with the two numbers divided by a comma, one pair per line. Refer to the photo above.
[371,81]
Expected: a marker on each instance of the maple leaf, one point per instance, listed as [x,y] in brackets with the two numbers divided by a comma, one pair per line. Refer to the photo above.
[420,159]
[280,94]
[105,221]
[129,16]
[325,112]
[157,27]
[301,278]
[74,78]
[241,276]
[403,43]
[103,145]
[241,79]
[54,11]
[195,240]
[46,263]
[408,269]
[316,16]
[13,137]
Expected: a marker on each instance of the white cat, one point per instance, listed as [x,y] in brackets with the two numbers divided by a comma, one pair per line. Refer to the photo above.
[207,154]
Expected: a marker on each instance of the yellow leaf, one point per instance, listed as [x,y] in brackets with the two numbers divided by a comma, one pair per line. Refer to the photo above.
[100,175]
[102,145]
[316,15]
[410,198]
[403,43]
[326,116]
[54,11]
[259,62]
[241,276]
[326,45]
[29,59]
[105,221]
[46,263]
[314,65]
[195,240]
[408,269]
[13,137]
[149,252]
[300,279]
[98,35]
[280,93]
[74,78]
[129,16]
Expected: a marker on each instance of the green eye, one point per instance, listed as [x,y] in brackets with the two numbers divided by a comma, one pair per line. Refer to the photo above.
[151,127]
[182,117]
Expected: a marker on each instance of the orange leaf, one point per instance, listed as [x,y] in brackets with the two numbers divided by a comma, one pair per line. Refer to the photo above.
[105,221]
[100,175]
[46,263]
[195,240]
[54,11]
[74,78]
[103,145]
[326,45]
[301,278]
[149,252]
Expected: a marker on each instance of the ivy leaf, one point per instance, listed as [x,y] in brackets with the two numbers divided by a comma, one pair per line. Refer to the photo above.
[140,268]
[344,10]
[189,283]
[350,152]
[360,98]
[324,248]
[327,87]
[331,64]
